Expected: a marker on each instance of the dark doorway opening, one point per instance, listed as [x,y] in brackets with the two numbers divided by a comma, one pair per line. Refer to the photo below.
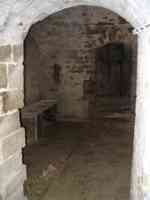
[76,80]
[113,70]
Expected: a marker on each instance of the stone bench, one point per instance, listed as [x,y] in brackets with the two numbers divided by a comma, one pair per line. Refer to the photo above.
[30,116]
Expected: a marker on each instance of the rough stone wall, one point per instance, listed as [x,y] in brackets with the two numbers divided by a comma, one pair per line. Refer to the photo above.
[68,40]
[12,136]
[32,71]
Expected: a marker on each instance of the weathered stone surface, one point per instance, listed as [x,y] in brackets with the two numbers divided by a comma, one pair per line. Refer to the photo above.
[13,183]
[18,52]
[15,76]
[3,76]
[17,195]
[9,123]
[141,158]
[12,143]
[33,81]
[16,181]
[5,53]
[11,100]
[10,166]
[1,104]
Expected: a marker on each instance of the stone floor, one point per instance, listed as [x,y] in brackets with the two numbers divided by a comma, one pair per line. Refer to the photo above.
[88,161]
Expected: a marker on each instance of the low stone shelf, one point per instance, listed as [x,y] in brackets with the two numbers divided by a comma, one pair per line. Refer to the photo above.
[30,117]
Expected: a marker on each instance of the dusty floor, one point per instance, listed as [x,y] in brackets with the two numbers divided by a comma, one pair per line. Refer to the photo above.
[89,161]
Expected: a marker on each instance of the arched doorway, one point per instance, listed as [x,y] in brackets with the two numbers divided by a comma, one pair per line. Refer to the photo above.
[66,67]
[16,21]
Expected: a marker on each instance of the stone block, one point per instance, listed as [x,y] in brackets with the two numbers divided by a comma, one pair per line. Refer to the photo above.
[11,144]
[3,75]
[16,181]
[13,184]
[18,52]
[5,53]
[17,195]
[15,76]
[10,166]
[11,100]
[9,123]
[1,104]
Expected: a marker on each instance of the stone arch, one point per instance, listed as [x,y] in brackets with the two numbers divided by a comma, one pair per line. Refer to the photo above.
[126,9]
[16,17]
[19,16]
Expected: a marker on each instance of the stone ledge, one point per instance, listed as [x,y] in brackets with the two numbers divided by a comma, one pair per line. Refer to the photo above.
[12,143]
